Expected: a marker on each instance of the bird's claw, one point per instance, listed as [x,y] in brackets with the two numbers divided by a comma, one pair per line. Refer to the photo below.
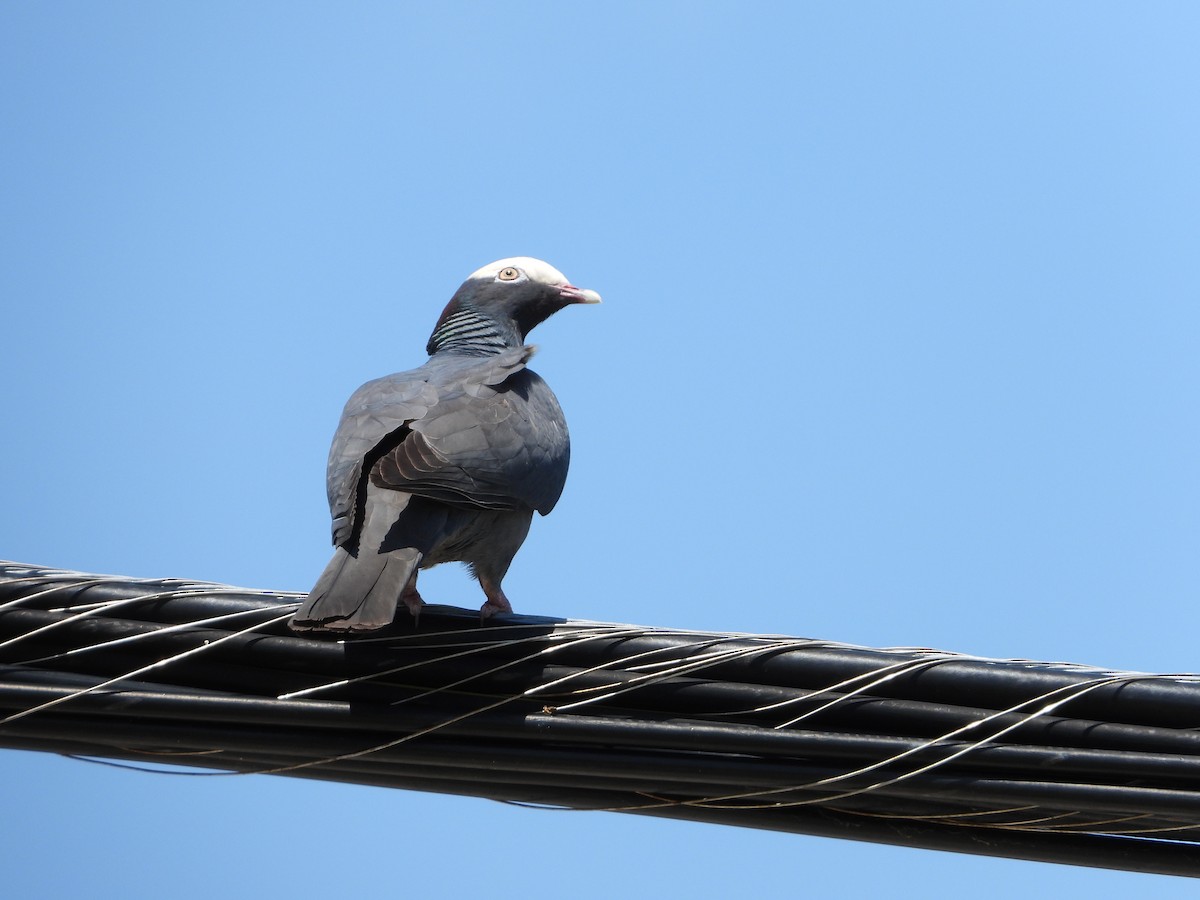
[491,608]
[414,604]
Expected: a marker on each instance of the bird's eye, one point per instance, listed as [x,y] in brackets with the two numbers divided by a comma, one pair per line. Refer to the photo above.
[508,274]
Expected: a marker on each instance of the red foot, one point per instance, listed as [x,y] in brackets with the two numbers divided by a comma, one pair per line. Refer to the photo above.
[412,601]
[494,605]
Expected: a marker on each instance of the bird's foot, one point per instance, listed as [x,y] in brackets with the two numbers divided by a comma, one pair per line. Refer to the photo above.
[494,605]
[496,601]
[413,603]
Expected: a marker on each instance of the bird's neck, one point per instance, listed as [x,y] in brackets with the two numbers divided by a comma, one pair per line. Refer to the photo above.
[471,332]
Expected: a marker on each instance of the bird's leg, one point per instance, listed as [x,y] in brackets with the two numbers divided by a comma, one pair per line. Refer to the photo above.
[496,601]
[411,599]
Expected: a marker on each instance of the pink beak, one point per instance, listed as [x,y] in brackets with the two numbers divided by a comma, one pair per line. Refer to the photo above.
[573,294]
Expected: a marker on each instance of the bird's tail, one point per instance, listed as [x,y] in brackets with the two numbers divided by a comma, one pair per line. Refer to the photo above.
[360,590]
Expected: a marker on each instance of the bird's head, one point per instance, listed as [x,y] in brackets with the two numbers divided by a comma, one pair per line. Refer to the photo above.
[502,302]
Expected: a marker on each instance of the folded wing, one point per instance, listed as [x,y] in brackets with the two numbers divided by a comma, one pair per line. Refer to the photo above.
[481,433]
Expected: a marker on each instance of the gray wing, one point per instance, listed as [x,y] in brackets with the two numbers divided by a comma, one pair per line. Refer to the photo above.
[377,414]
[463,430]
[492,446]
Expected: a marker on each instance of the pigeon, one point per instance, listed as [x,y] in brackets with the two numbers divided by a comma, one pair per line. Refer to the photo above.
[446,462]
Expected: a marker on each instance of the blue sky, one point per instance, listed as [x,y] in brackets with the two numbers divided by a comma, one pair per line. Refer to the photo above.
[898,348]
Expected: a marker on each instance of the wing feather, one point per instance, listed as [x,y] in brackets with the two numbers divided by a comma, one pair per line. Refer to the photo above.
[464,431]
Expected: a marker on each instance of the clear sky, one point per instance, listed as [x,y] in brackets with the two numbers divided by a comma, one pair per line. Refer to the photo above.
[899,347]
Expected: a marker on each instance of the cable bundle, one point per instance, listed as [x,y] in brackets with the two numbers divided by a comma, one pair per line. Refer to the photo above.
[928,749]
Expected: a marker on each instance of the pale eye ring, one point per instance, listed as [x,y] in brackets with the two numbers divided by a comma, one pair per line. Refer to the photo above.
[508,273]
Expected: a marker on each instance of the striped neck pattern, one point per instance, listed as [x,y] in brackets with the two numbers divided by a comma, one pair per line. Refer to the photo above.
[469,331]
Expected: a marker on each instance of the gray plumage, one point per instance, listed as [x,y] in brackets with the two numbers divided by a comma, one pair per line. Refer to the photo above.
[449,461]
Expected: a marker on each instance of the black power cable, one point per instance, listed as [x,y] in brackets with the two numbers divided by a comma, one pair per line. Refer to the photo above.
[1014,758]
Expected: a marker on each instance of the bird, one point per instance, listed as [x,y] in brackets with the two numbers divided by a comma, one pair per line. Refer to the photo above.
[449,461]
